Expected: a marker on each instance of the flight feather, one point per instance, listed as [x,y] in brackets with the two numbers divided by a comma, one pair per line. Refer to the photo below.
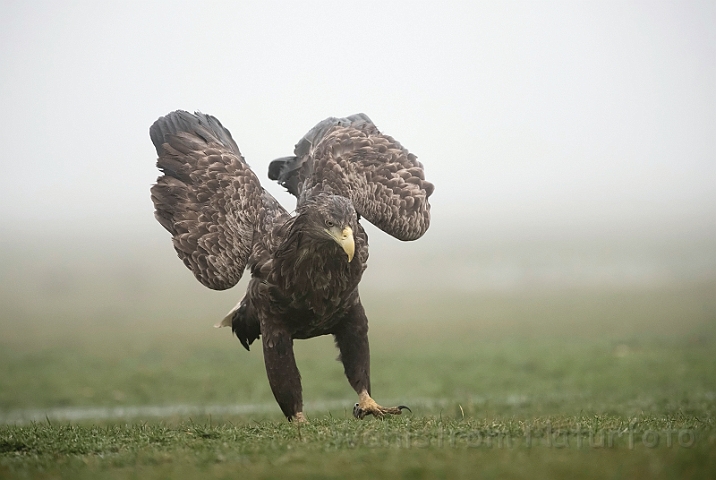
[352,158]
[208,198]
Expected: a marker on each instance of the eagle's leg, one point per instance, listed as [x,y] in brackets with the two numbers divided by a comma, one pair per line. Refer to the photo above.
[352,341]
[283,375]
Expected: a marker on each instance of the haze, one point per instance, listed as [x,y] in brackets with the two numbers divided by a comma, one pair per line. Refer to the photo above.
[533,119]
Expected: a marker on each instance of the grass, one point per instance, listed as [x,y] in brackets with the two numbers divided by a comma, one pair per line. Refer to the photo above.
[503,385]
[332,448]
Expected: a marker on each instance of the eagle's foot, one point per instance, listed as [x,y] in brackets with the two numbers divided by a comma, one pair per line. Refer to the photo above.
[299,418]
[367,406]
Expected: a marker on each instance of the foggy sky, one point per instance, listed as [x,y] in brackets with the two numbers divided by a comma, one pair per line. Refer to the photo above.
[591,115]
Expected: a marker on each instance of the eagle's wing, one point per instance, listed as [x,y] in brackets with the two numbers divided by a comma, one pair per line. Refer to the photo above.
[351,157]
[208,198]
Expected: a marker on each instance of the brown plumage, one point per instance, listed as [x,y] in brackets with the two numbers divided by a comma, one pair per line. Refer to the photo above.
[305,268]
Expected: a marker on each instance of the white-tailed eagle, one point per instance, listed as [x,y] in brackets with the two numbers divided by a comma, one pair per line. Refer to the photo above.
[305,268]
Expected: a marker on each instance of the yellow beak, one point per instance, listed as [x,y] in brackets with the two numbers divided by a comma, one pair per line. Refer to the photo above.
[345,240]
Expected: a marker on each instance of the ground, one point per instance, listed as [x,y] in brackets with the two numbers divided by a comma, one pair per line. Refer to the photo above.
[588,383]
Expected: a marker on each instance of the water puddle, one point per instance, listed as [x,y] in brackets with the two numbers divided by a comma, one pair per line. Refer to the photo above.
[75,414]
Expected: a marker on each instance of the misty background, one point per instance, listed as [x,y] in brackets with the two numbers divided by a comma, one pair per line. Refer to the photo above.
[572,144]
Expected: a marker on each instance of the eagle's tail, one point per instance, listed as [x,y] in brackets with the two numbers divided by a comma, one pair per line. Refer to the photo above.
[244,323]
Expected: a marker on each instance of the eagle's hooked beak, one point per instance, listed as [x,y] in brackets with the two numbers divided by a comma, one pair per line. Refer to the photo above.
[345,240]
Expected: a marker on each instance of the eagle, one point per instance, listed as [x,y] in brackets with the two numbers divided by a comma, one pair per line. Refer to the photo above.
[306,265]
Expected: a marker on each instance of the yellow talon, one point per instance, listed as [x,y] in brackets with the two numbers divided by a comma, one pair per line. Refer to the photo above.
[367,406]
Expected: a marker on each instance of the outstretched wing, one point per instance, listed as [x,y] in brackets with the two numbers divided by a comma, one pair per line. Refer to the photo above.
[208,198]
[351,157]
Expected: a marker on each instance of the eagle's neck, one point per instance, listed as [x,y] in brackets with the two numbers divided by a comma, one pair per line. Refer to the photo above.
[324,268]
[315,275]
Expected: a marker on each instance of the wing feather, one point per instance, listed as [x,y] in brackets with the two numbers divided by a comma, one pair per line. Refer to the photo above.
[208,198]
[351,157]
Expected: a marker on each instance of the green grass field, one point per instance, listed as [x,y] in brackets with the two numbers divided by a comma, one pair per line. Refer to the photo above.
[582,383]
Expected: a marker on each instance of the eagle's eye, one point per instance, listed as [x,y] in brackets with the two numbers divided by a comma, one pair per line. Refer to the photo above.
[329,223]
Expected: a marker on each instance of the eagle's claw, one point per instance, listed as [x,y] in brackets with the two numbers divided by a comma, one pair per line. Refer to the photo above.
[372,408]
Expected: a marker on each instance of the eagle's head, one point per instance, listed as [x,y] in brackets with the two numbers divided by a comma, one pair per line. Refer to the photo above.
[326,217]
